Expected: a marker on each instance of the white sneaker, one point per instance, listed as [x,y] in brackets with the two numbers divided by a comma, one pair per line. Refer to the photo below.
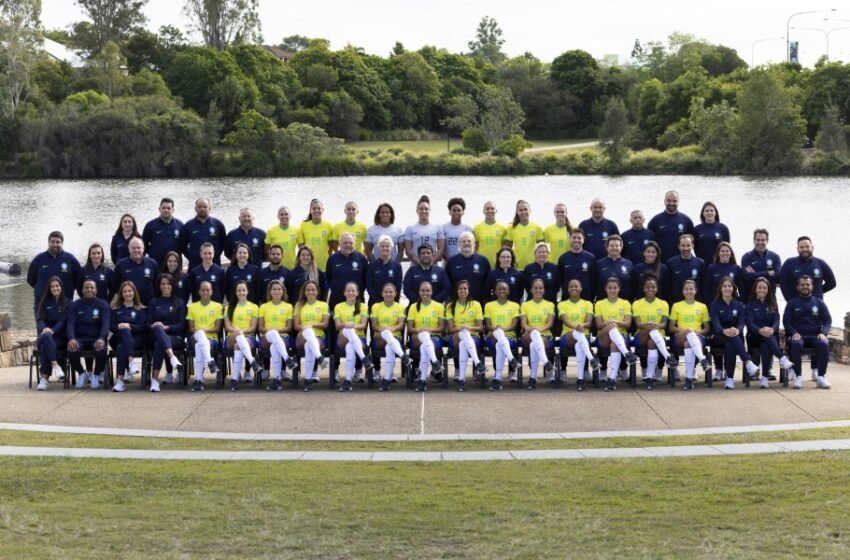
[798,382]
[718,375]
[42,384]
[764,383]
[822,382]
[154,386]
[785,363]
[58,373]
[129,377]
[81,380]
[247,378]
[169,379]
[659,374]
[730,383]
[119,386]
[752,369]
[95,381]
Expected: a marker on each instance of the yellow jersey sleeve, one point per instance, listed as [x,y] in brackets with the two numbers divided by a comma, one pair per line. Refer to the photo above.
[357,229]
[537,314]
[489,238]
[276,316]
[558,239]
[576,312]
[204,316]
[311,314]
[465,315]
[387,315]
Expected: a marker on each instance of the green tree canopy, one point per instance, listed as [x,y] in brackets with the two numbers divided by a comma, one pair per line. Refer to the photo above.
[488,41]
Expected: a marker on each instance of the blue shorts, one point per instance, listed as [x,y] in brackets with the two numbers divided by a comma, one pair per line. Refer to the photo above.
[436,339]
[547,342]
[675,345]
[491,343]
[375,340]
[475,338]
[252,342]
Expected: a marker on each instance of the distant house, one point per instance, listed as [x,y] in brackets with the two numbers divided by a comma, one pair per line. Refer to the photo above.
[280,53]
[61,53]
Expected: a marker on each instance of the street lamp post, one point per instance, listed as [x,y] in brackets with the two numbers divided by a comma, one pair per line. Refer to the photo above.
[826,35]
[753,48]
[788,29]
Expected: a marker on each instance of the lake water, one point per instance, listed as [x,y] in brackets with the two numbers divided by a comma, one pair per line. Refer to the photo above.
[88,211]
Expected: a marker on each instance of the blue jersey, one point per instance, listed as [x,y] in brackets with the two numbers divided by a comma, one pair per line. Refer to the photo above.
[548,273]
[474,269]
[634,240]
[53,315]
[639,273]
[119,248]
[620,269]
[162,237]
[281,273]
[136,318]
[343,269]
[88,319]
[762,264]
[759,316]
[580,266]
[181,287]
[682,270]
[45,266]
[595,235]
[716,272]
[215,276]
[667,229]
[416,274]
[380,274]
[171,312]
[253,238]
[807,316]
[195,233]
[251,275]
[102,276]
[297,277]
[706,239]
[823,279]
[725,315]
[142,274]
[513,277]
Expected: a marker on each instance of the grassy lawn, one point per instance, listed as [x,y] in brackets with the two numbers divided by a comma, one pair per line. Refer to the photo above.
[776,506]
[436,146]
[40,439]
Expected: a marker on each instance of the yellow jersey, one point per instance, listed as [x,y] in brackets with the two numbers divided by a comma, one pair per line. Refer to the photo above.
[617,311]
[346,313]
[287,239]
[427,316]
[655,311]
[537,314]
[274,316]
[243,315]
[502,315]
[317,237]
[576,312]
[468,315]
[204,316]
[523,239]
[558,239]
[689,315]
[357,229]
[387,315]
[489,238]
[312,313]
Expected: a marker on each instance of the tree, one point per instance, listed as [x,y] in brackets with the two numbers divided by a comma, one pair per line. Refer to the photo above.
[614,129]
[294,43]
[488,41]
[344,115]
[277,82]
[831,138]
[224,22]
[365,86]
[770,127]
[415,90]
[651,121]
[112,20]
[108,68]
[548,111]
[500,116]
[577,72]
[19,36]
[717,130]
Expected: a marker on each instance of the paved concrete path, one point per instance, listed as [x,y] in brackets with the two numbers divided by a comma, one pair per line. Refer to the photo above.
[512,411]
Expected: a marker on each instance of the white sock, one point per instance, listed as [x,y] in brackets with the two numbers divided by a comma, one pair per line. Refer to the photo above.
[350,360]
[202,346]
[614,363]
[502,342]
[354,340]
[689,363]
[471,350]
[619,342]
[582,344]
[651,362]
[277,343]
[426,346]
[463,359]
[659,342]
[500,363]
[200,364]
[389,361]
[424,364]
[581,359]
[245,348]
[538,347]
[236,375]
[392,342]
[312,351]
[696,345]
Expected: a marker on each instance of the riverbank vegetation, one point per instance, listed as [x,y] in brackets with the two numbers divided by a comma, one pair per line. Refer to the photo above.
[151,104]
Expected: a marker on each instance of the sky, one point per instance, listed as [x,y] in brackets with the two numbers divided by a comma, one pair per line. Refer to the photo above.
[544,28]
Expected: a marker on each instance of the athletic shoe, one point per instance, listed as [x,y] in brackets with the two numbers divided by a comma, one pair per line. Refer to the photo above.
[772,377]
[650,383]
[659,374]
[689,384]
[421,387]
[323,362]
[58,373]
[822,382]
[247,377]
[481,368]
[730,383]
[291,363]
[611,385]
[42,384]
[644,375]
[405,360]
[376,377]
[594,364]
[368,365]
[513,365]
[706,366]
[512,378]
[308,385]
[275,385]
[548,368]
[346,387]
[197,385]
[496,384]
[551,377]
[130,376]
[437,370]
[169,379]
[234,384]
[718,375]
[95,381]
[154,386]
[461,386]
[385,385]
[798,382]
[214,369]
[264,375]
[119,386]
[81,381]
[579,384]
[631,358]
[532,384]
[624,375]
[257,368]
[672,361]
[764,383]
[785,363]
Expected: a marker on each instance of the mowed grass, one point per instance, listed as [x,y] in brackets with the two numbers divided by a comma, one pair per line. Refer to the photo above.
[436,146]
[46,439]
[774,506]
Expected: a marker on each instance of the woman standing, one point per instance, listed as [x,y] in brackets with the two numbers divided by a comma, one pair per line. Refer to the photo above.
[523,235]
[651,266]
[120,246]
[384,224]
[305,270]
[423,232]
[96,270]
[506,272]
[173,266]
[542,269]
[317,233]
[709,232]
